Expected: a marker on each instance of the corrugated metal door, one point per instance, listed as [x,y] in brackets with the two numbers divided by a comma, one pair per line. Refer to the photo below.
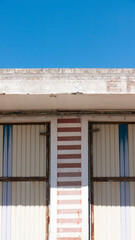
[24,156]
[112,181]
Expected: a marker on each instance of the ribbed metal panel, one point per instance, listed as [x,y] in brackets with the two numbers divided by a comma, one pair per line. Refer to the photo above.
[23,205]
[107,202]
[132,210]
[28,211]
[29,151]
[131,144]
[0,210]
[106,151]
[1,149]
[107,211]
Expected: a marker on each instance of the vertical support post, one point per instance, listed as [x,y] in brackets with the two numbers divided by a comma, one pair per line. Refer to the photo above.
[47,175]
[91,184]
[53,181]
[85,180]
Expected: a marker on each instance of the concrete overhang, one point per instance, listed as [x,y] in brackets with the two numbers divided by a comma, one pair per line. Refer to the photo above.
[67,89]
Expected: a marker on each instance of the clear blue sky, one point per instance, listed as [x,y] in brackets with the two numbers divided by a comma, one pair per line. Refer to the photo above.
[67,33]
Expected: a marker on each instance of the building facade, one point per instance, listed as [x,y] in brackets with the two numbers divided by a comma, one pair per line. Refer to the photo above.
[67,158]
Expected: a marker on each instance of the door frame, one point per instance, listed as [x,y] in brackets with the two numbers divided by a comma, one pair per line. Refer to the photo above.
[85,119]
[90,169]
[40,119]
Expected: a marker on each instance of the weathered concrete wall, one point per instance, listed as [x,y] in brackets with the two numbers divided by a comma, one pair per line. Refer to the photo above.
[67,89]
[63,81]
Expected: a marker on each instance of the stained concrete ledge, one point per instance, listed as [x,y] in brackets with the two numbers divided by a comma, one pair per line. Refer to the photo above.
[67,70]
[68,89]
[67,81]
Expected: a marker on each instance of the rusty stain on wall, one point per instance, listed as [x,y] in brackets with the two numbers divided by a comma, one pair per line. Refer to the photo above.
[130,85]
[114,85]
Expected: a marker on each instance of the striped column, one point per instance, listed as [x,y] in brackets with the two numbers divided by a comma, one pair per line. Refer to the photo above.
[6,186]
[124,186]
[69,209]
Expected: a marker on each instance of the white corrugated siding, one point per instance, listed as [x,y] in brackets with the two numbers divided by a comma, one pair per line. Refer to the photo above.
[29,151]
[131,139]
[107,211]
[132,210]
[106,195]
[28,211]
[28,199]
[106,151]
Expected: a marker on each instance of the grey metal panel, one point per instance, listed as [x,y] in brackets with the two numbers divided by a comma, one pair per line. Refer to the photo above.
[106,151]
[29,151]
[106,195]
[131,145]
[1,149]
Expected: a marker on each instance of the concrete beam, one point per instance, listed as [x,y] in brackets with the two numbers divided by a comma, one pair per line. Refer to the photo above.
[67,89]
[67,81]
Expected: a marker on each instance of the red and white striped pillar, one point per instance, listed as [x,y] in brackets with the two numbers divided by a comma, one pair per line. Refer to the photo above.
[69,179]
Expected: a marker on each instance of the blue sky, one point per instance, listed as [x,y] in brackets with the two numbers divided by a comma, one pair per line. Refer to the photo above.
[67,33]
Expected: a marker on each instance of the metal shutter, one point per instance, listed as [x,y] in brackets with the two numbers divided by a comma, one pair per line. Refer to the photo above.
[112,181]
[24,163]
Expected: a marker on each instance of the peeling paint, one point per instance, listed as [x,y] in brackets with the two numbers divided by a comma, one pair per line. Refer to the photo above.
[130,85]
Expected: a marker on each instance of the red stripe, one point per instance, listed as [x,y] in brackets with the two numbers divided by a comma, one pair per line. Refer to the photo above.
[69,174]
[69,238]
[76,201]
[69,220]
[68,184]
[69,138]
[62,230]
[69,120]
[68,156]
[69,165]
[69,192]
[69,147]
[69,129]
[69,211]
